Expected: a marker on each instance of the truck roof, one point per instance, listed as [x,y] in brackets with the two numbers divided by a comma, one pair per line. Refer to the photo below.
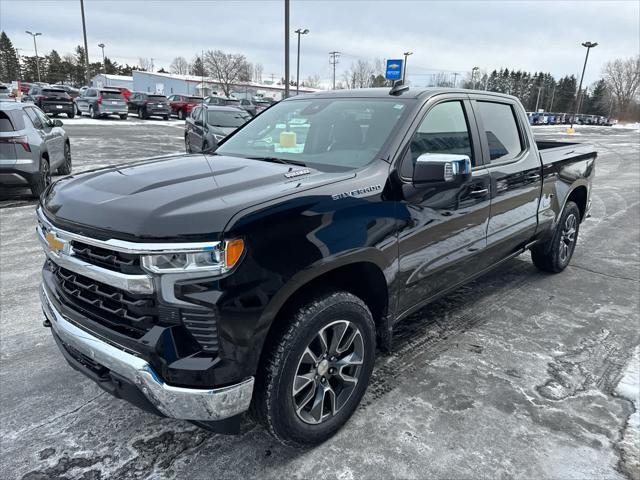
[411,92]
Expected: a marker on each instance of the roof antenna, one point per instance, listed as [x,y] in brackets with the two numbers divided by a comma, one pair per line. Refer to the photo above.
[398,87]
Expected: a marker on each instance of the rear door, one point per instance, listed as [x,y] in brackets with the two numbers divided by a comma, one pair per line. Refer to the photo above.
[516,174]
[54,139]
[446,226]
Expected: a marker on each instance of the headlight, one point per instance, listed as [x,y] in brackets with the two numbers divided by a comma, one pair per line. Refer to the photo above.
[219,259]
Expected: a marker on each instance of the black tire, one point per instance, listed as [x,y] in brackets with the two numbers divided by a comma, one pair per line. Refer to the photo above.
[141,114]
[554,255]
[43,180]
[187,144]
[71,114]
[124,116]
[165,117]
[65,169]
[275,403]
[92,112]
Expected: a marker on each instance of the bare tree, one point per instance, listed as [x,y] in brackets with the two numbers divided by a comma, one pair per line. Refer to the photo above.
[257,72]
[180,66]
[623,79]
[144,64]
[312,81]
[226,68]
[360,75]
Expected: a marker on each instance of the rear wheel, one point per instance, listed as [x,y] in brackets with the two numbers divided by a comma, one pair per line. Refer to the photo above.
[187,144]
[65,169]
[92,112]
[165,117]
[71,114]
[43,180]
[316,370]
[181,114]
[141,114]
[123,116]
[554,255]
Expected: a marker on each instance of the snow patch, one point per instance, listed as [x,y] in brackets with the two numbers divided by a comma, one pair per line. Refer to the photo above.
[629,388]
[116,122]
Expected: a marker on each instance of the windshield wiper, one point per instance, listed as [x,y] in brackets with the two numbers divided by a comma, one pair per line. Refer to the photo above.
[279,160]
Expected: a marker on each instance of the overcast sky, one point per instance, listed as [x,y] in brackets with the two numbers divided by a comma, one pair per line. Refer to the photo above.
[444,36]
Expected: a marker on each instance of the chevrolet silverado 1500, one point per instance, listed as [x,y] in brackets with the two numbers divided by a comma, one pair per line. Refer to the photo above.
[262,276]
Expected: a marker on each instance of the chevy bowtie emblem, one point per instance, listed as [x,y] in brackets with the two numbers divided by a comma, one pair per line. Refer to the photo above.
[393,66]
[55,244]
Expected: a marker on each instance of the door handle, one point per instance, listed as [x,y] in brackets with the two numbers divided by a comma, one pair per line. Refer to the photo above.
[479,192]
[533,176]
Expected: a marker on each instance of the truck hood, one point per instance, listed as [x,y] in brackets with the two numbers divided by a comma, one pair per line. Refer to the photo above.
[182,197]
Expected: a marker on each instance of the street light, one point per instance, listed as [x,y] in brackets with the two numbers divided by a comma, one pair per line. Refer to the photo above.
[35,47]
[299,31]
[473,77]
[104,63]
[404,70]
[588,46]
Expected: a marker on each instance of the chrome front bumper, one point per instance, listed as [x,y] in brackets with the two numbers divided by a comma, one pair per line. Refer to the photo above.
[175,402]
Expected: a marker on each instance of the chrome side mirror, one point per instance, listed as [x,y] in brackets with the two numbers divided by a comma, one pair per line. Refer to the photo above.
[433,169]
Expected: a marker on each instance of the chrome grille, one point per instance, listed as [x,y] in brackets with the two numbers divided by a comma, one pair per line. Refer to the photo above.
[111,259]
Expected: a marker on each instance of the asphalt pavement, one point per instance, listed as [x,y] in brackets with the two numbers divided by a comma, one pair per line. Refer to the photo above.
[518,374]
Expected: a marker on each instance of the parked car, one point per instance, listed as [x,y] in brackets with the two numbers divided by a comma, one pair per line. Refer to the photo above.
[266,275]
[146,105]
[32,146]
[24,87]
[222,101]
[208,125]
[82,90]
[5,91]
[73,93]
[261,105]
[126,93]
[53,100]
[102,102]
[181,105]
[249,106]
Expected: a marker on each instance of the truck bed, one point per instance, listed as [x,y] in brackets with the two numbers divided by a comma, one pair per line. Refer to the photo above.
[553,151]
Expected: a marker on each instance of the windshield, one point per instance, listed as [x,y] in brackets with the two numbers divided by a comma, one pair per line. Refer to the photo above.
[328,134]
[232,101]
[220,118]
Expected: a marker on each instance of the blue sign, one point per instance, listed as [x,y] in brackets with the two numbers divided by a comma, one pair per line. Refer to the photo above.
[394,70]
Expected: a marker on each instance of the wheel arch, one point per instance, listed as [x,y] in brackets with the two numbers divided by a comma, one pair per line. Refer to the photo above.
[579,195]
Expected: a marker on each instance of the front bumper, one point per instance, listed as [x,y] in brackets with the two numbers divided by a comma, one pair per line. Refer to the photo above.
[175,402]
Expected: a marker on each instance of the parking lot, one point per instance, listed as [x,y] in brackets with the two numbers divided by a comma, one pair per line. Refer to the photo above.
[519,373]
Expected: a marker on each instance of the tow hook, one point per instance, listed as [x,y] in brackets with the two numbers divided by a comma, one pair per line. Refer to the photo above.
[46,323]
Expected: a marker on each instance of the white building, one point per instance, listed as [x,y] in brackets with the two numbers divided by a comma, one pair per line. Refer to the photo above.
[103,80]
[169,83]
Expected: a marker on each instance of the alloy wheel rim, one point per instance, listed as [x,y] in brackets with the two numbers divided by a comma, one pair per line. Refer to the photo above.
[568,237]
[328,372]
[67,156]
[46,174]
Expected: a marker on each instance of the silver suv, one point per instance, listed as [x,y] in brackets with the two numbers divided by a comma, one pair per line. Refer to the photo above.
[31,147]
[100,102]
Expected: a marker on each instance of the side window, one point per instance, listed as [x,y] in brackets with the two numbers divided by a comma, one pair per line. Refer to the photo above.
[31,113]
[46,121]
[196,113]
[501,129]
[444,130]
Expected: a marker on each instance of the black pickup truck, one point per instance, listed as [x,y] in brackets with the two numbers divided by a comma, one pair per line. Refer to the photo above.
[262,277]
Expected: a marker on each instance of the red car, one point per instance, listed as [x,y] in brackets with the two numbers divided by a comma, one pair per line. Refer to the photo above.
[181,105]
[124,91]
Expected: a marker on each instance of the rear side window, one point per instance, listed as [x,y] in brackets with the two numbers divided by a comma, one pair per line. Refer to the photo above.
[111,94]
[34,118]
[501,130]
[6,124]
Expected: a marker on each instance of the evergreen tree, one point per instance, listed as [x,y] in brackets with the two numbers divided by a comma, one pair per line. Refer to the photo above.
[55,69]
[9,62]
[197,67]
[599,101]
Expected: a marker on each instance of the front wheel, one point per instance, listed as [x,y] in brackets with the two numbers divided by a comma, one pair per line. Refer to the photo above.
[123,116]
[180,115]
[65,169]
[316,371]
[71,114]
[43,180]
[554,255]
[165,117]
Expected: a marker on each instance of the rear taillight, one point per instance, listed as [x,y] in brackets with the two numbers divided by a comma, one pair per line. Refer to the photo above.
[100,100]
[17,141]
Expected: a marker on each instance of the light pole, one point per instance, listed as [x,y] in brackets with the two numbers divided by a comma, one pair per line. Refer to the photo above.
[86,48]
[473,77]
[404,70]
[104,63]
[299,31]
[35,47]
[589,46]
[286,48]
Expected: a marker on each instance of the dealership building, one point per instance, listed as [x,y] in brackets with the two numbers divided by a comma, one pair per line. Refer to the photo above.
[101,80]
[169,84]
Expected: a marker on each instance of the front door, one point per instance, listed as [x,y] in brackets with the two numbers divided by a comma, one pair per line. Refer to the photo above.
[445,226]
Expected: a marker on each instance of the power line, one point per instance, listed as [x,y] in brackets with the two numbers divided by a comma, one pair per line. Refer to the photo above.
[333,60]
